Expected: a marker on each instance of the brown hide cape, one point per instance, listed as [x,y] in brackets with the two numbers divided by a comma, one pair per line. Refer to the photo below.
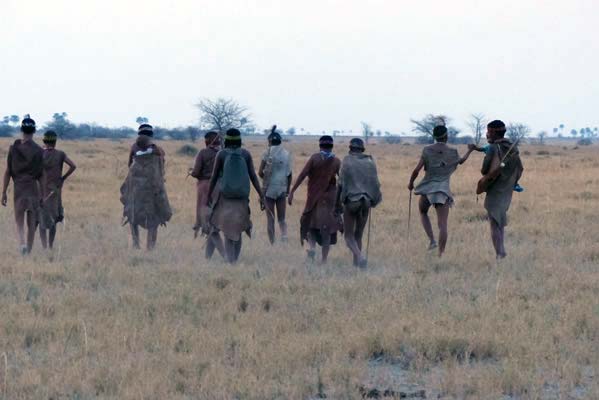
[25,166]
[52,210]
[319,216]
[143,193]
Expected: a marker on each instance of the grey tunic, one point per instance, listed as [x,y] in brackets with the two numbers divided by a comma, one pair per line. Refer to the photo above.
[499,194]
[358,178]
[440,162]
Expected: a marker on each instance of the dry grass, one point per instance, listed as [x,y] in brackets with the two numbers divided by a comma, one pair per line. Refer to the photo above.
[96,319]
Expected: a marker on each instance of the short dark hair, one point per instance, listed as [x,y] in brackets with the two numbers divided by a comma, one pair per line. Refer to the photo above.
[497,126]
[50,137]
[233,138]
[28,125]
[440,132]
[326,142]
[210,134]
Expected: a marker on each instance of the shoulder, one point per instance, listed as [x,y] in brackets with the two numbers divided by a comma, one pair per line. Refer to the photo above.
[159,149]
[37,147]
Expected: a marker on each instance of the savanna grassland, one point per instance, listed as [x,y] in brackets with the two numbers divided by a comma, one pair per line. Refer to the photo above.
[96,319]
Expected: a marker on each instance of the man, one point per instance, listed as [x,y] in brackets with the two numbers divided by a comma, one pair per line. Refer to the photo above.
[143,194]
[52,182]
[319,221]
[233,170]
[24,165]
[202,171]
[276,174]
[359,191]
[504,155]
[440,162]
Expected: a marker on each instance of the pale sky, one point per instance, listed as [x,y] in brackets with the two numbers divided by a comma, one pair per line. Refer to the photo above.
[317,65]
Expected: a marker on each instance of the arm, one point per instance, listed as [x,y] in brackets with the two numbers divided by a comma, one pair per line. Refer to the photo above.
[415,174]
[261,169]
[300,179]
[465,158]
[6,181]
[130,158]
[72,168]
[218,166]
[197,166]
[252,172]
[488,161]
[162,162]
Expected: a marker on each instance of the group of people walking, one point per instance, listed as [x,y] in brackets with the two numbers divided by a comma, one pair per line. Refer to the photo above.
[340,194]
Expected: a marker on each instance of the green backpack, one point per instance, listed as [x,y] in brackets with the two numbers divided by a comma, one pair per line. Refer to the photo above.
[235,179]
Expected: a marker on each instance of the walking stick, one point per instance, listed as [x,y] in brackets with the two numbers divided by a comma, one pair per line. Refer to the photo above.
[409,215]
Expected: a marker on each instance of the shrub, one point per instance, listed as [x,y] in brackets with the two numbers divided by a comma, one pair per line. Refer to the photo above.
[187,150]
[392,139]
[585,142]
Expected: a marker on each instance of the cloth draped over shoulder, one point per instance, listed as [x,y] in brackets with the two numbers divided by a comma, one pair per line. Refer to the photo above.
[278,167]
[52,208]
[440,162]
[25,167]
[143,194]
[499,194]
[202,171]
[358,178]
[319,216]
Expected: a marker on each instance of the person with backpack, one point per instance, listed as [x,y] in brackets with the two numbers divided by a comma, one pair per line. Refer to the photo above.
[143,194]
[320,222]
[233,172]
[24,165]
[52,182]
[276,173]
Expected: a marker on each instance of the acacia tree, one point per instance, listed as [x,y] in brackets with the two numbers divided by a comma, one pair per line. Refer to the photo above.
[517,131]
[141,120]
[426,125]
[222,114]
[60,124]
[477,124]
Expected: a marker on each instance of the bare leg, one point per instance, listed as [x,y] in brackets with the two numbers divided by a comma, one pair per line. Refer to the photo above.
[424,206]
[44,238]
[312,247]
[233,250]
[349,230]
[214,242]
[497,238]
[31,228]
[152,238]
[135,235]
[52,236]
[20,221]
[326,246]
[442,220]
[270,218]
[238,248]
[281,211]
